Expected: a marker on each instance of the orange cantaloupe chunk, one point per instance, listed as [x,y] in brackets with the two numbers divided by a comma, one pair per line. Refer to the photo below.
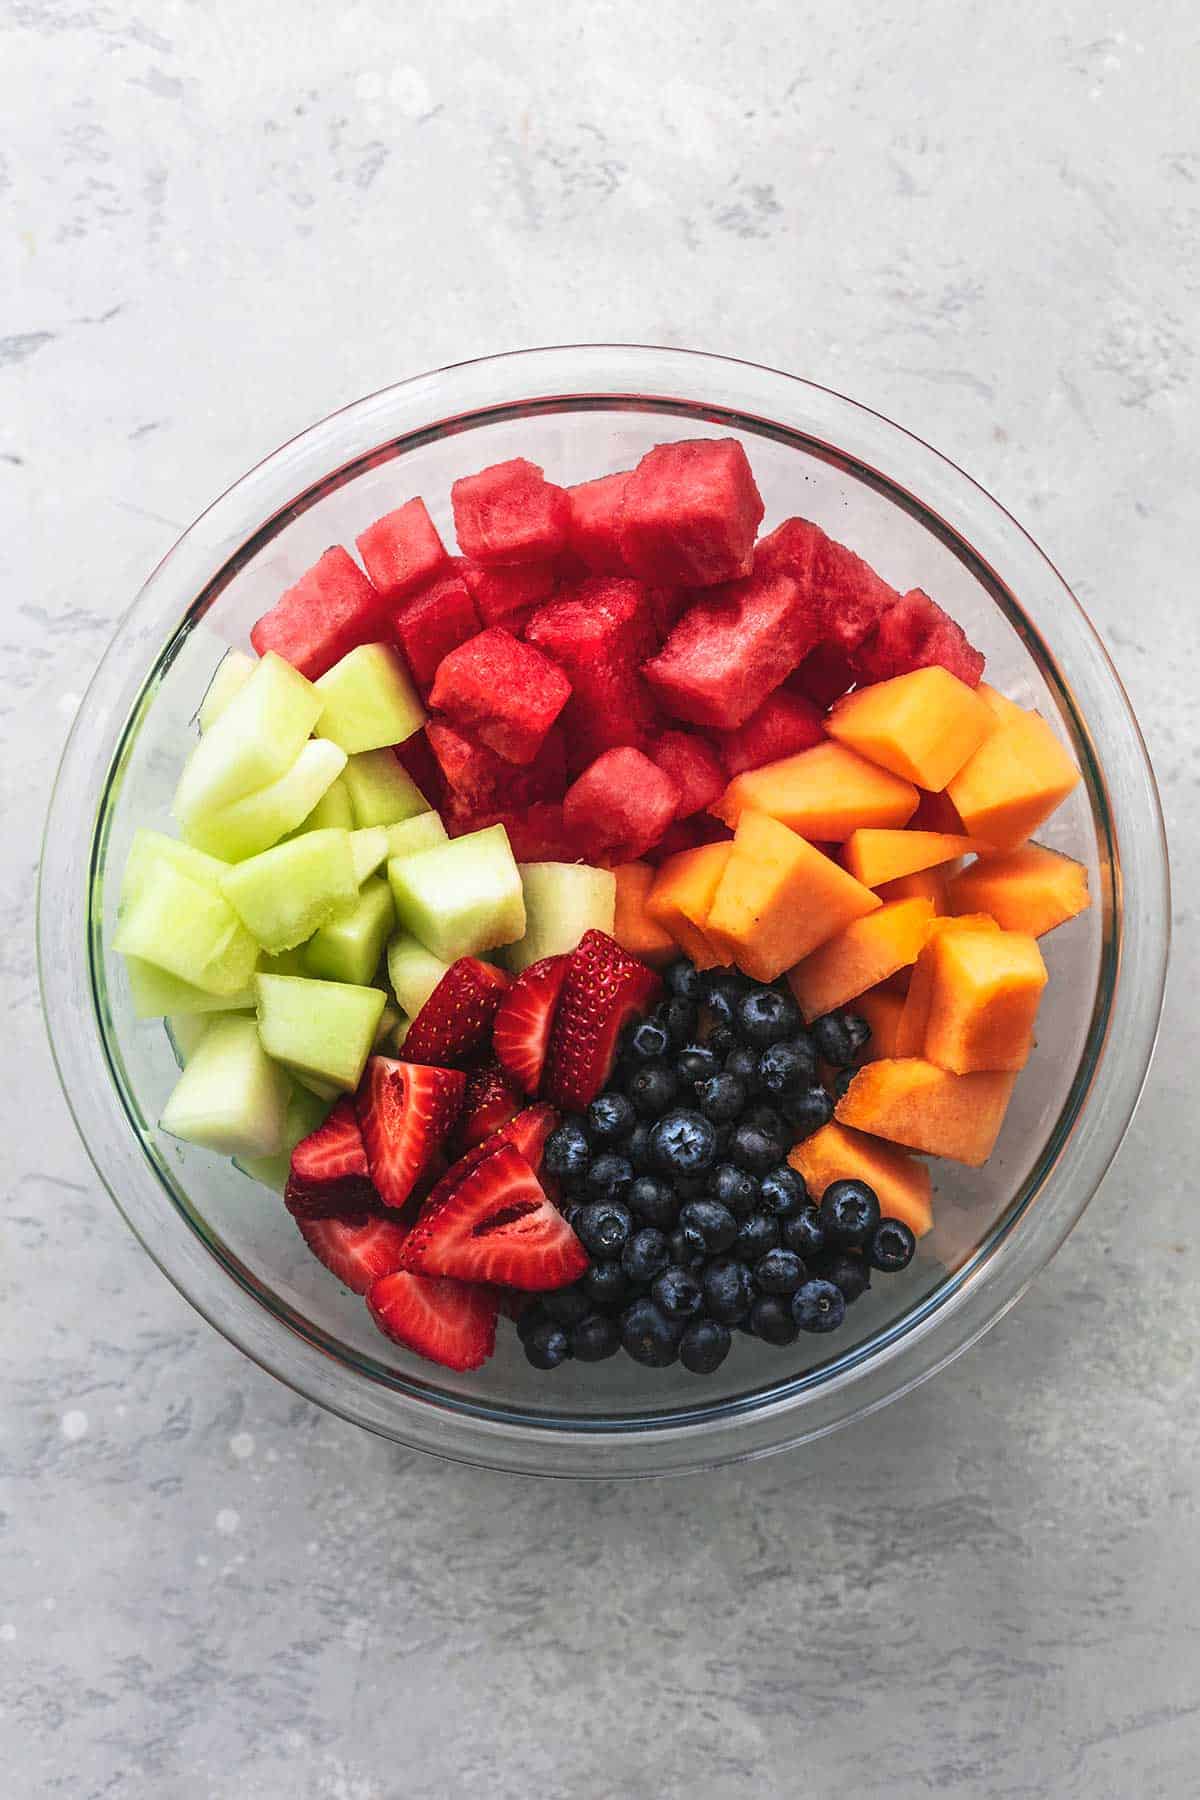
[910,1030]
[913,1102]
[874,857]
[1013,782]
[903,1186]
[824,793]
[983,1001]
[881,1008]
[633,927]
[926,884]
[680,898]
[778,898]
[997,703]
[923,726]
[860,956]
[1030,890]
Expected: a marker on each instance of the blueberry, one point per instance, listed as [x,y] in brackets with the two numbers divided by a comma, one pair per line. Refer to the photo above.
[682,981]
[678,1018]
[529,1320]
[722,994]
[766,1118]
[785,1068]
[893,1246]
[849,1273]
[771,1320]
[850,1210]
[606,1284]
[756,1235]
[648,1335]
[728,1290]
[736,1189]
[695,1062]
[566,1306]
[603,1228]
[684,1142]
[743,1062]
[654,1202]
[779,1272]
[647,1041]
[721,1098]
[595,1337]
[783,1191]
[704,1346]
[818,1306]
[652,1088]
[839,1037]
[721,1041]
[688,1248]
[840,1085]
[765,1016]
[610,1119]
[752,1150]
[691,1187]
[547,1345]
[637,1147]
[807,1111]
[609,1176]
[567,1152]
[677,1293]
[804,1232]
[715,1223]
[571,1210]
[645,1255]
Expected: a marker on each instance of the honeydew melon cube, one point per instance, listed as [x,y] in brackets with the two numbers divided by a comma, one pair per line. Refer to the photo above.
[260,819]
[369,700]
[252,742]
[399,1033]
[283,895]
[381,790]
[421,832]
[148,849]
[155,994]
[184,1031]
[333,810]
[390,1020]
[328,1091]
[413,971]
[305,1111]
[562,901]
[231,1097]
[461,897]
[189,930]
[230,677]
[288,962]
[321,1030]
[350,946]
[369,848]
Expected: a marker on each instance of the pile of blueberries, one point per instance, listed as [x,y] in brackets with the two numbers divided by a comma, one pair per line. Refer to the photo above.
[677,1183]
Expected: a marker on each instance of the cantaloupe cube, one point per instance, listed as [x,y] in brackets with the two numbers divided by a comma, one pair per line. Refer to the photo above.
[681,898]
[913,1102]
[633,927]
[910,1028]
[837,1153]
[926,884]
[874,857]
[778,898]
[923,726]
[865,953]
[1030,890]
[999,704]
[825,793]
[1013,782]
[984,997]
[881,1007]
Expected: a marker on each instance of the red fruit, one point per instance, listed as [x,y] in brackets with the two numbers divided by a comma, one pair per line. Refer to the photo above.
[418,759]
[784,724]
[603,990]
[693,765]
[433,623]
[358,1254]
[448,1322]
[689,514]
[688,834]
[791,549]
[509,513]
[915,634]
[851,596]
[488,1103]
[598,633]
[330,611]
[527,1133]
[507,596]
[329,1177]
[405,1111]
[457,1017]
[402,551]
[592,523]
[823,677]
[620,806]
[730,650]
[498,1225]
[505,692]
[667,606]
[521,1032]
[539,833]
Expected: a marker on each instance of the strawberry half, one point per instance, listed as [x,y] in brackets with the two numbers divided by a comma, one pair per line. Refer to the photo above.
[498,1225]
[456,1019]
[329,1177]
[604,988]
[527,1133]
[489,1102]
[449,1322]
[358,1254]
[405,1111]
[521,1034]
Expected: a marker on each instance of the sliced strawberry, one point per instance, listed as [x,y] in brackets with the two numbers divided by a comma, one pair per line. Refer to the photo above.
[527,1133]
[329,1177]
[605,987]
[498,1225]
[405,1111]
[358,1254]
[449,1322]
[457,1017]
[521,1032]
[489,1102]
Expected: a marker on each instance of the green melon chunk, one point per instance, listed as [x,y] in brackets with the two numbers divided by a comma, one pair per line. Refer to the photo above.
[155,994]
[252,743]
[421,832]
[350,946]
[185,928]
[328,1091]
[461,897]
[369,700]
[333,810]
[288,962]
[305,1112]
[184,1031]
[562,901]
[260,819]
[390,1021]
[321,1030]
[381,789]
[232,673]
[283,895]
[399,1033]
[413,971]
[369,848]
[230,1097]
[149,849]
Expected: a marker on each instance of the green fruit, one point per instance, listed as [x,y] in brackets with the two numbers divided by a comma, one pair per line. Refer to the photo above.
[369,700]
[230,1097]
[321,1030]
[381,789]
[251,743]
[305,1111]
[155,994]
[413,971]
[189,930]
[232,673]
[562,901]
[327,1091]
[390,1020]
[260,819]
[369,848]
[350,946]
[333,810]
[149,849]
[184,1031]
[421,832]
[461,897]
[283,895]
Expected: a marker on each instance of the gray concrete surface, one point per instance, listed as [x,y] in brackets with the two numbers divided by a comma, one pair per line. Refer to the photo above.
[221,220]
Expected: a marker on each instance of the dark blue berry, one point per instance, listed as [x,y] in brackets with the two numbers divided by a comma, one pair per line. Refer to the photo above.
[678,1018]
[677,1292]
[721,1098]
[743,1062]
[756,1235]
[684,1142]
[804,1232]
[610,1119]
[767,1118]
[654,1202]
[840,1085]
[779,1272]
[603,1228]
[688,1248]
[595,1337]
[807,1111]
[783,1191]
[567,1152]
[652,1089]
[721,1041]
[529,1320]
[818,1306]
[771,1320]
[728,1290]
[839,1037]
[645,1255]
[648,1335]
[850,1210]
[765,1016]
[691,1187]
[695,1062]
[647,1041]
[547,1345]
[893,1246]
[786,1068]
[609,1176]
[847,1272]
[682,981]
[752,1150]
[735,1188]
[606,1285]
[722,996]
[566,1306]
[637,1147]
[715,1223]
[704,1346]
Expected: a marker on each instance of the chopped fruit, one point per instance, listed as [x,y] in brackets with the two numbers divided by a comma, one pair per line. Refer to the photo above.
[406,1112]
[507,596]
[881,1007]
[480,783]
[258,820]
[330,610]
[914,633]
[603,990]
[457,1017]
[497,1225]
[421,766]
[1030,890]
[825,794]
[448,1322]
[936,812]
[1005,710]
[368,851]
[413,971]
[874,856]
[256,739]
[689,512]
[681,898]
[368,700]
[184,928]
[693,766]
[230,1097]
[381,790]
[688,834]
[1013,782]
[422,832]
[633,926]
[823,676]
[985,992]
[901,1184]
[926,884]
[538,834]
[562,901]
[914,1102]
[730,650]
[851,596]
[667,606]
[283,895]
[304,1113]
[592,523]
[505,691]
[620,805]
[527,1133]
[489,1102]
[349,947]
[521,1034]
[779,898]
[910,1027]
[509,513]
[155,994]
[791,549]
[358,1253]
[433,623]
[333,810]
[318,1029]
[865,953]
[233,672]
[328,1177]
[783,725]
[402,551]
[599,632]
[924,726]
[462,897]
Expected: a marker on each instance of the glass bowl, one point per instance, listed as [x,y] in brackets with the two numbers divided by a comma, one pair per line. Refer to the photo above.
[228,1245]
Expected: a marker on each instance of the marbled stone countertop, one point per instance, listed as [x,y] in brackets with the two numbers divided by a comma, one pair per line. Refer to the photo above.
[222,220]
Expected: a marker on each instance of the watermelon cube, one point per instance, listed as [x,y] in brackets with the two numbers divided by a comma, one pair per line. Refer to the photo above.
[433,623]
[620,807]
[592,531]
[478,781]
[505,691]
[402,551]
[730,650]
[852,597]
[824,676]
[791,549]
[507,596]
[598,632]
[539,833]
[327,613]
[785,723]
[688,834]
[509,513]
[915,633]
[470,771]
[689,513]
[422,768]
[667,606]
[693,766]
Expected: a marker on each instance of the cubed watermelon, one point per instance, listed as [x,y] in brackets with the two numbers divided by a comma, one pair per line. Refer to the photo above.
[477,780]
[592,533]
[402,551]
[693,766]
[730,650]
[509,513]
[619,807]
[507,596]
[667,606]
[915,633]
[504,691]
[823,677]
[433,623]
[537,833]
[791,549]
[327,613]
[852,597]
[598,632]
[689,513]
[688,834]
[418,761]
[785,723]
